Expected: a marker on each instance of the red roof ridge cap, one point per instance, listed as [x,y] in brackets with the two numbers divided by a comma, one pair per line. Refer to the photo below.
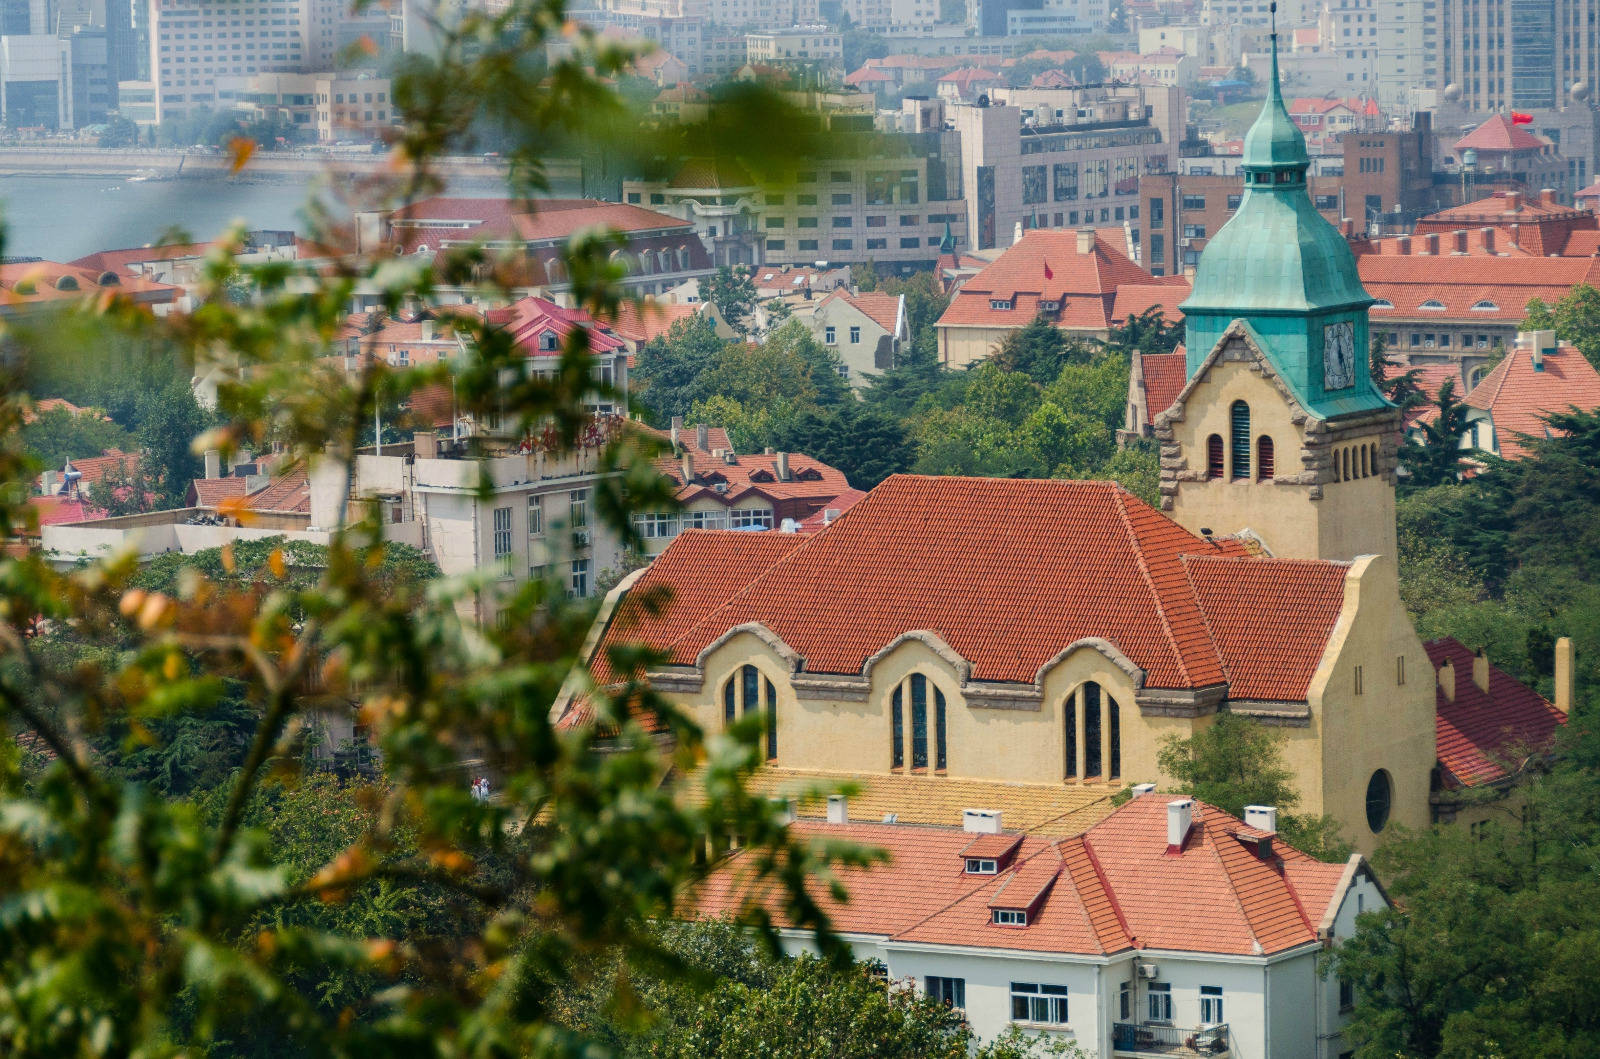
[1119,499]
[1111,894]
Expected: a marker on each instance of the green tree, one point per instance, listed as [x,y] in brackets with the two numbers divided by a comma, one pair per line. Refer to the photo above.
[668,373]
[119,132]
[169,421]
[1574,319]
[1238,762]
[57,435]
[866,443]
[1436,457]
[1401,388]
[733,292]
[134,921]
[1148,332]
[1040,350]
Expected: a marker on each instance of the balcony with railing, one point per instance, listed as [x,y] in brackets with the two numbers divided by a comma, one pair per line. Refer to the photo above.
[1158,1039]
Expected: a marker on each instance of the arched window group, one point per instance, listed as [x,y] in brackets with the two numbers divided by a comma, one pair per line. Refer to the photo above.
[1356,461]
[1266,459]
[1239,428]
[1092,722]
[909,735]
[1230,458]
[747,692]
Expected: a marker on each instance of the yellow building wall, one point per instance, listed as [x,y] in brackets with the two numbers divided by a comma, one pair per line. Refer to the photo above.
[1354,517]
[1389,724]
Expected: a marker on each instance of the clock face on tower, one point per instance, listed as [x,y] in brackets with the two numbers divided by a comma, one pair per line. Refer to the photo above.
[1338,355]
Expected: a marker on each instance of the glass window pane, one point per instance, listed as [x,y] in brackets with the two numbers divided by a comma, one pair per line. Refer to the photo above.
[919,721]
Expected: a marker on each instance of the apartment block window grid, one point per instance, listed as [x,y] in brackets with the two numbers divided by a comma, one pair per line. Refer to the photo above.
[580,579]
[750,518]
[656,525]
[502,533]
[1033,1002]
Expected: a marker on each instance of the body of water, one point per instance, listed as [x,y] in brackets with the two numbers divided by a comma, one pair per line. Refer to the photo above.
[61,218]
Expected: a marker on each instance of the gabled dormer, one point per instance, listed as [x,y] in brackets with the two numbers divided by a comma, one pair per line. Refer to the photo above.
[989,854]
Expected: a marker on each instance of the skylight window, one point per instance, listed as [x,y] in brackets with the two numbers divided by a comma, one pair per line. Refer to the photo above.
[1383,303]
[980,866]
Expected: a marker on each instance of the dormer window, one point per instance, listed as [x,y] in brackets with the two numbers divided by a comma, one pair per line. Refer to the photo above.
[1000,303]
[1432,305]
[980,866]
[1485,306]
[1383,303]
[548,342]
[1009,917]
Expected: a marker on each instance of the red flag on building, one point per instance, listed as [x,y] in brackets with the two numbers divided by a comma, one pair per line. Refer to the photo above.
[1047,273]
[1521,119]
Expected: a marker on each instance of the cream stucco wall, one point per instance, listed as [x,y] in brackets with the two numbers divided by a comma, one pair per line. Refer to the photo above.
[1298,514]
[1389,723]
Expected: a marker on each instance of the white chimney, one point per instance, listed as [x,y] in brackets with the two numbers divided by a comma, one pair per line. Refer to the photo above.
[427,330]
[981,821]
[1085,241]
[1447,680]
[213,463]
[829,515]
[838,809]
[783,467]
[1016,234]
[1180,817]
[677,429]
[785,809]
[1480,670]
[1262,817]
[1142,789]
[47,483]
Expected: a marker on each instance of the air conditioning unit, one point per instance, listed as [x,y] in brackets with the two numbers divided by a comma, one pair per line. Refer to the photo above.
[1149,970]
[580,538]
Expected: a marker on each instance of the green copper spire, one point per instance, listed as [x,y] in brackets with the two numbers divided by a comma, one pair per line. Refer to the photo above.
[947,245]
[1278,265]
[1275,141]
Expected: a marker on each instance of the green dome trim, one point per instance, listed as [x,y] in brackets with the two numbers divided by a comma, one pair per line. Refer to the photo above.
[1275,140]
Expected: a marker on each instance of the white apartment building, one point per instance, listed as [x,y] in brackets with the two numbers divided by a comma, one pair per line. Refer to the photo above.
[36,81]
[797,44]
[903,16]
[194,42]
[1168,928]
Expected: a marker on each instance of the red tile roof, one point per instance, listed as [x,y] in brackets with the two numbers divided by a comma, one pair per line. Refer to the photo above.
[94,468]
[809,479]
[689,436]
[1166,294]
[59,510]
[211,492]
[839,504]
[1458,283]
[29,283]
[1085,284]
[1164,376]
[1542,228]
[1499,134]
[882,309]
[639,324]
[1518,398]
[531,220]
[1481,732]
[1107,891]
[1100,563]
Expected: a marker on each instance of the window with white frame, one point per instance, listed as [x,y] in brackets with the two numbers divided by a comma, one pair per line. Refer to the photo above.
[1032,1002]
[953,991]
[535,516]
[656,525]
[502,533]
[1211,1004]
[1160,1001]
[577,509]
[855,335]
[580,579]
[712,520]
[750,518]
[980,866]
[1008,917]
[828,335]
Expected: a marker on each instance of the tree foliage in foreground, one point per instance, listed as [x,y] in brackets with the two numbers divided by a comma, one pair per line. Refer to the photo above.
[213,916]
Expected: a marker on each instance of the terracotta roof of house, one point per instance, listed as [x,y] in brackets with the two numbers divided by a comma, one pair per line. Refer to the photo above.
[1100,563]
[118,261]
[1542,227]
[31,412]
[689,436]
[640,323]
[1518,397]
[969,75]
[758,474]
[1481,732]
[839,504]
[60,510]
[28,283]
[882,309]
[1166,294]
[212,492]
[1499,134]
[93,468]
[1164,376]
[1051,79]
[867,75]
[1107,890]
[1460,282]
[1084,284]
[288,491]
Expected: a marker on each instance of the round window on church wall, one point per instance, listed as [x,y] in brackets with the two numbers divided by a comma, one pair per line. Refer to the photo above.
[1380,792]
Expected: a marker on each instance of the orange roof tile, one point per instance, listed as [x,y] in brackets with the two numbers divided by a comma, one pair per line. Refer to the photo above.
[729,483]
[1518,397]
[1084,284]
[1108,890]
[1100,563]
[882,309]
[1499,134]
[1460,282]
[1482,731]
[1164,376]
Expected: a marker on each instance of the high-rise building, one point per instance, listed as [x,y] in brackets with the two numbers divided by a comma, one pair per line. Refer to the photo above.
[193,42]
[1408,42]
[1526,54]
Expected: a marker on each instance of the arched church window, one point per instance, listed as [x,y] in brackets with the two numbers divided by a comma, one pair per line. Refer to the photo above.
[1346,476]
[1374,450]
[1092,730]
[1363,461]
[1214,456]
[918,689]
[1266,461]
[747,692]
[1239,417]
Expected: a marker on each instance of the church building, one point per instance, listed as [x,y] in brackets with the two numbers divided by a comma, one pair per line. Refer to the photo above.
[1051,634]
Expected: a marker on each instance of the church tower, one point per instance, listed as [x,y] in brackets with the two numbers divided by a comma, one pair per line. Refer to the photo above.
[1279,428]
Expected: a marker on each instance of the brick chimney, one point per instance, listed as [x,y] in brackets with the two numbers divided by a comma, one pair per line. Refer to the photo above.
[1513,202]
[1085,241]
[1488,239]
[702,437]
[1480,670]
[1564,675]
[1547,197]
[1460,237]
[1514,234]
[1430,244]
[1447,680]
[1402,245]
[688,467]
